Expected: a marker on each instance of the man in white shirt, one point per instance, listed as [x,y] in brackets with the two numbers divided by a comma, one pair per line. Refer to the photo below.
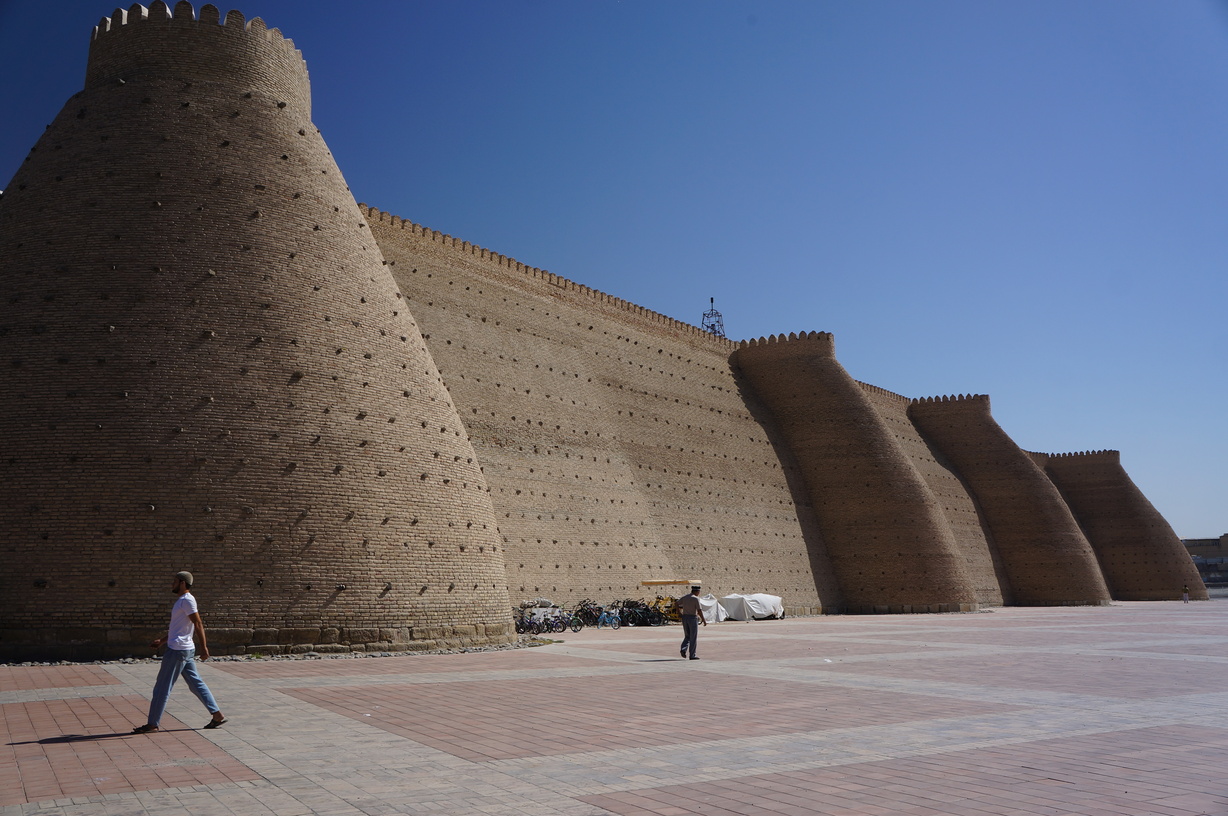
[179,658]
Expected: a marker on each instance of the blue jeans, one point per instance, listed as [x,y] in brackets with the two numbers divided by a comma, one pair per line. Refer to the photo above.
[690,632]
[174,663]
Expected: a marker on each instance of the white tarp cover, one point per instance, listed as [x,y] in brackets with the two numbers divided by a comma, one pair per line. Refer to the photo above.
[751,607]
[713,611]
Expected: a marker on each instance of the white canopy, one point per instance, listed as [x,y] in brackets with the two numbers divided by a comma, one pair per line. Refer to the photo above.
[752,607]
[713,611]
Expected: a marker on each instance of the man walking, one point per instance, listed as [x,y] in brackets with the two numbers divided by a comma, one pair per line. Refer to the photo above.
[692,613]
[179,658]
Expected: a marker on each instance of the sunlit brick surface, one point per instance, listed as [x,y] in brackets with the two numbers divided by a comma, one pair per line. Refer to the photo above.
[209,367]
[493,720]
[16,678]
[526,659]
[1110,676]
[83,747]
[1161,770]
[719,644]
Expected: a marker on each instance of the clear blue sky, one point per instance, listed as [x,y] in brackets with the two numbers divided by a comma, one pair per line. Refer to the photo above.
[1024,199]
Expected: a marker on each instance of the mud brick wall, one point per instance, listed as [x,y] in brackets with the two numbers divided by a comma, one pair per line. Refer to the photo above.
[1141,557]
[949,491]
[361,433]
[618,444]
[208,367]
[1045,556]
[889,542]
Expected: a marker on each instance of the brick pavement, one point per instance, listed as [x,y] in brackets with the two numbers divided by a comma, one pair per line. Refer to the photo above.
[1035,711]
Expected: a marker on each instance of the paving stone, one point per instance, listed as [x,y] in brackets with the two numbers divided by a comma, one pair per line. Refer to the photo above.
[1031,711]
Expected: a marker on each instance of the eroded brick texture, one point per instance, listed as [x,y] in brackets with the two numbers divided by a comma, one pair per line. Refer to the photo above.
[972,536]
[889,541]
[1140,555]
[208,367]
[618,444]
[1046,557]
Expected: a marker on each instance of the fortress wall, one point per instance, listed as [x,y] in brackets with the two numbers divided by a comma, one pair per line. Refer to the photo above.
[208,367]
[212,365]
[889,541]
[617,443]
[1045,555]
[958,506]
[1141,557]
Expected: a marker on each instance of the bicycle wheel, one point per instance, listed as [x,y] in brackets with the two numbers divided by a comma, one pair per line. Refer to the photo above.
[576,624]
[615,623]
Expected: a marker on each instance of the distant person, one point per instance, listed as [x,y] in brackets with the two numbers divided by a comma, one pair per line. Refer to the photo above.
[180,642]
[1185,594]
[692,613]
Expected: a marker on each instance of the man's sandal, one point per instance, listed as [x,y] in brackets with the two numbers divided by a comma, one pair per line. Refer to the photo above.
[215,723]
[145,729]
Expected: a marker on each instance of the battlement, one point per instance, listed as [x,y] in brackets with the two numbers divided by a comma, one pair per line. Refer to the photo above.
[794,345]
[951,405]
[825,338]
[158,42]
[184,14]
[533,273]
[952,398]
[1099,457]
[1111,457]
[882,392]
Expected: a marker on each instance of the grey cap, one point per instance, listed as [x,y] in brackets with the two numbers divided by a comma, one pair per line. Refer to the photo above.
[186,576]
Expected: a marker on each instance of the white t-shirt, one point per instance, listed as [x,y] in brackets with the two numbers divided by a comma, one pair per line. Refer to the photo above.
[179,635]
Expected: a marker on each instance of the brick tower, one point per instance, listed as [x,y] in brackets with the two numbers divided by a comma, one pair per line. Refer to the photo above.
[873,507]
[1141,556]
[209,367]
[1045,556]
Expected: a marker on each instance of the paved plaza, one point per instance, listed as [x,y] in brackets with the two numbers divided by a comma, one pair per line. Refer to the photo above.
[1089,711]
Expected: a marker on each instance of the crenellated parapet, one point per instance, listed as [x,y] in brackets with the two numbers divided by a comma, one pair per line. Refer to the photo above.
[884,393]
[1102,456]
[812,342]
[541,277]
[1045,556]
[1140,555]
[967,402]
[1106,456]
[168,44]
[886,536]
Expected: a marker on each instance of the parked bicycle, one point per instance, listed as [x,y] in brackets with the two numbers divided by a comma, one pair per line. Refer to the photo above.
[526,624]
[610,617]
[640,613]
[573,620]
[588,612]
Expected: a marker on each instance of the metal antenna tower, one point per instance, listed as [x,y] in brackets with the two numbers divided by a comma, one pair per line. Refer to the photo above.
[713,322]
